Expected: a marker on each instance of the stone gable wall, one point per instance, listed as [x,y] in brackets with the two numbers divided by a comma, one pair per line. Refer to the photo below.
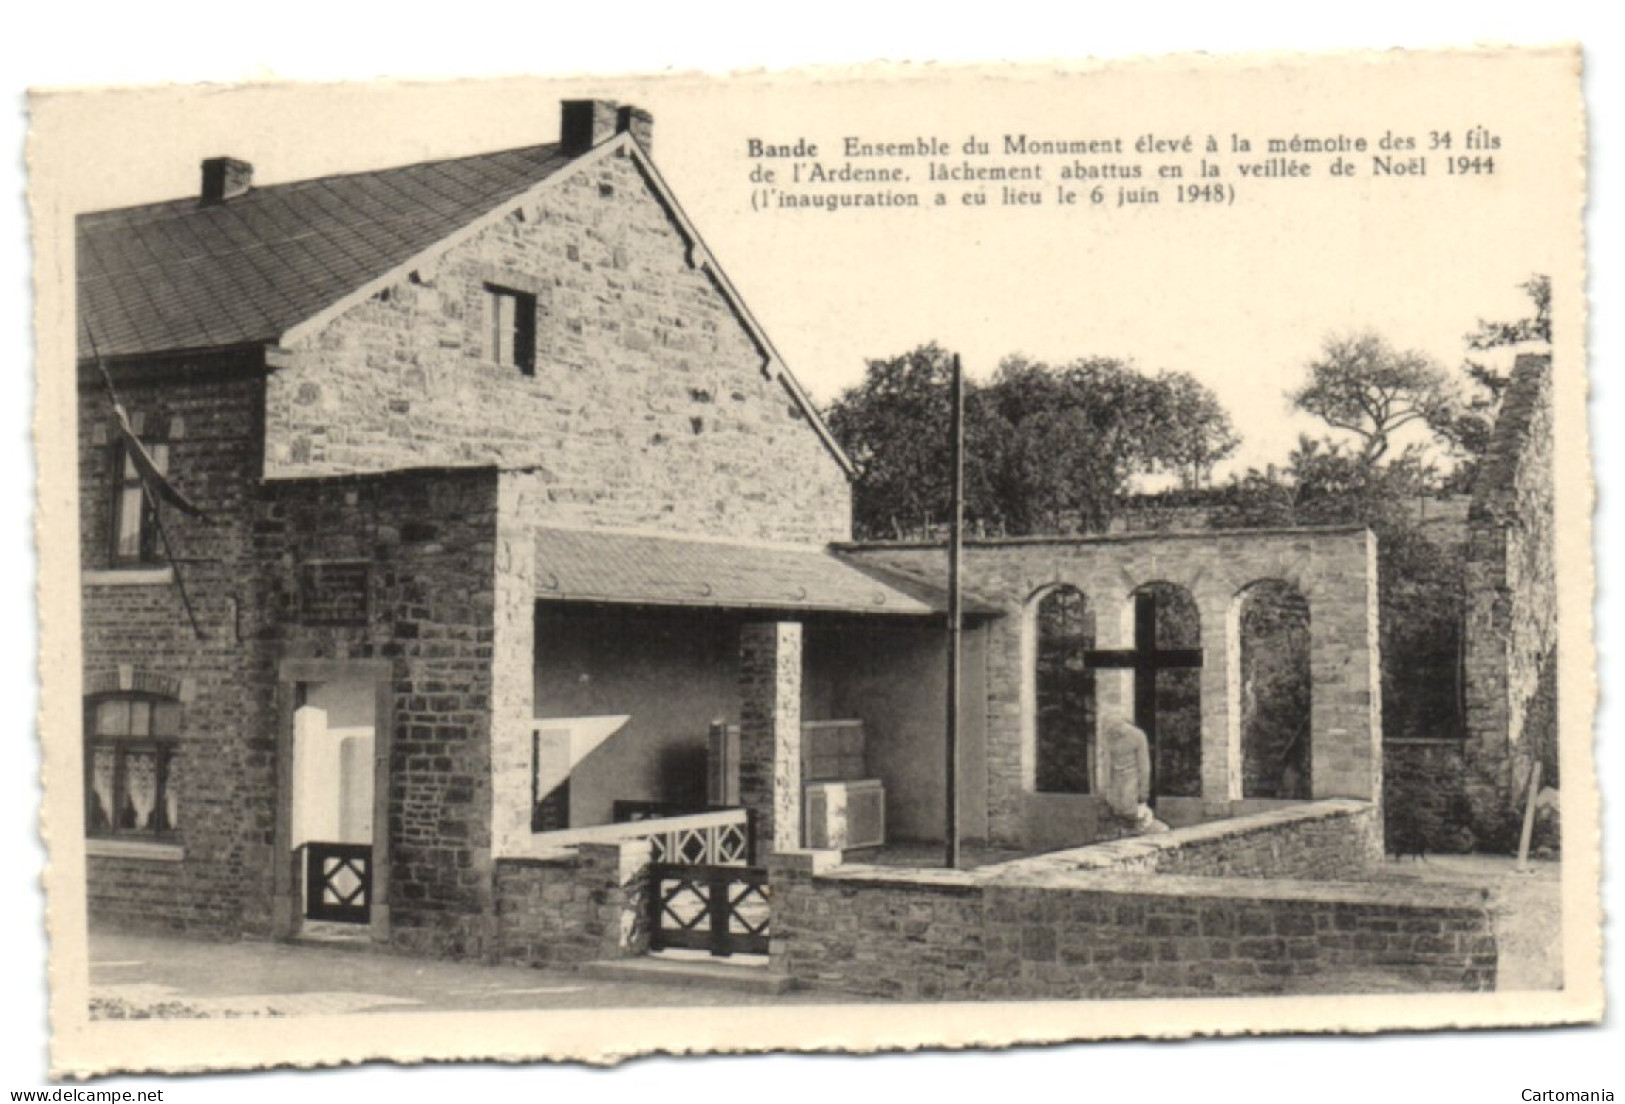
[649,407]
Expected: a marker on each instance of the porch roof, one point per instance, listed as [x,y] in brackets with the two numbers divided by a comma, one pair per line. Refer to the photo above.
[642,569]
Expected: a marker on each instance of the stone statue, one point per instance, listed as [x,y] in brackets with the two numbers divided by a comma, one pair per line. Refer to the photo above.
[1128,776]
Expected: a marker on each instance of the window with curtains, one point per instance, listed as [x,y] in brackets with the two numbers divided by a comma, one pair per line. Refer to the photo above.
[132,767]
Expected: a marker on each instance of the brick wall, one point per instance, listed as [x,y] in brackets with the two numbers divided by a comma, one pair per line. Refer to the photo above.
[944,935]
[581,907]
[426,541]
[1511,631]
[137,636]
[649,406]
[1334,569]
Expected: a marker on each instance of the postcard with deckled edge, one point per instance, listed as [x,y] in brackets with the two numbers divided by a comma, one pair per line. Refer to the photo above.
[868,559]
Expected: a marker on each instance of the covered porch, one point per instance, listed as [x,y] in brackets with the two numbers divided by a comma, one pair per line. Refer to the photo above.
[682,677]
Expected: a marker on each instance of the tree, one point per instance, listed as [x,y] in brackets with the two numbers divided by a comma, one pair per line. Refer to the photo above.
[1363,385]
[894,426]
[1197,433]
[1494,335]
[1046,449]
[1468,428]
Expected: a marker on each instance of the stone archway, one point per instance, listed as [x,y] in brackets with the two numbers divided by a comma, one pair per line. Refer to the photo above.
[1063,691]
[1272,695]
[1166,682]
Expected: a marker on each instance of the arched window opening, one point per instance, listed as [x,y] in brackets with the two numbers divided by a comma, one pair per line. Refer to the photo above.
[1275,692]
[1168,686]
[1065,695]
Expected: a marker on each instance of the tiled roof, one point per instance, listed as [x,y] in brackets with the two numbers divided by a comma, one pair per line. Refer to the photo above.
[575,566]
[189,275]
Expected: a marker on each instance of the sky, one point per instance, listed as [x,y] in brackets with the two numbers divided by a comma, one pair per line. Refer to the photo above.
[825,337]
[1240,296]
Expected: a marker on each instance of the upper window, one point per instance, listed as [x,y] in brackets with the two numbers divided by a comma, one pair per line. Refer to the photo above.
[132,766]
[511,328]
[135,521]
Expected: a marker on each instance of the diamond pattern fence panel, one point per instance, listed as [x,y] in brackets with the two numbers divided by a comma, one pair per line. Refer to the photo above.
[338,882]
[725,910]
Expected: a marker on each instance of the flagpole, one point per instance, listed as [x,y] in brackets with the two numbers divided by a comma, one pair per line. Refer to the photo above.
[169,554]
[956,524]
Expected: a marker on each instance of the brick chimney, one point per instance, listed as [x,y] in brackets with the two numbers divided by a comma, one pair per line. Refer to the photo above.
[639,123]
[585,123]
[226,178]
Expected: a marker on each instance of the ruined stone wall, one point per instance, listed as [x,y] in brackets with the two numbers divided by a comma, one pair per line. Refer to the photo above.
[582,907]
[942,935]
[1334,569]
[1425,797]
[215,876]
[649,406]
[1511,631]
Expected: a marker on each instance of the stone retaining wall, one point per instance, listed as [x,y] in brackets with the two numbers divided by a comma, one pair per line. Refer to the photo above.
[947,935]
[1322,841]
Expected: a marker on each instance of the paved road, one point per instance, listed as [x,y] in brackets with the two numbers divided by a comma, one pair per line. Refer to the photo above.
[143,974]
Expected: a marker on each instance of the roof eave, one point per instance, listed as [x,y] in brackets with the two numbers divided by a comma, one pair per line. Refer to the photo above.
[247,354]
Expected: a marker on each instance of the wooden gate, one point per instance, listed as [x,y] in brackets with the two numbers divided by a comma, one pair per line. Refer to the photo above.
[338,882]
[721,909]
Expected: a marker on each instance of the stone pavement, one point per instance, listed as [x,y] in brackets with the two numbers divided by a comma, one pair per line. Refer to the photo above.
[140,976]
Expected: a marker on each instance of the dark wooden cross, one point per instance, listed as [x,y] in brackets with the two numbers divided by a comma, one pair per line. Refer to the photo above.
[1145,659]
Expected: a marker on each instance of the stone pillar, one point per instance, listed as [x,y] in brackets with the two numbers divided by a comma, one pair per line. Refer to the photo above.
[1114,687]
[1221,699]
[770,732]
[616,879]
[513,666]
[1345,697]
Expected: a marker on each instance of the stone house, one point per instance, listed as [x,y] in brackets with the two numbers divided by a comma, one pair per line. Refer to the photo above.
[517,529]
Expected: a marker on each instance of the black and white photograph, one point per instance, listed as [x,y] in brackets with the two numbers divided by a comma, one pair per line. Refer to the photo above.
[572,568]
